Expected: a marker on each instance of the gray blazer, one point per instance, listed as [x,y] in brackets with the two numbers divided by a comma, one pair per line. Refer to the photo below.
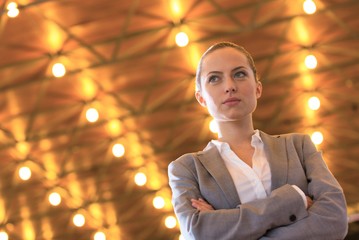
[293,160]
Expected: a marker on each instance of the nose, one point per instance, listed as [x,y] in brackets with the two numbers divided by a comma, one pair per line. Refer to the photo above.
[230,85]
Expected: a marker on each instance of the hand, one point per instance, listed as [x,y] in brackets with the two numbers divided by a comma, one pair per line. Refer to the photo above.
[309,201]
[201,205]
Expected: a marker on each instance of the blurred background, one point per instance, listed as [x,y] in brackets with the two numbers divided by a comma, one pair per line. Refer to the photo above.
[97,98]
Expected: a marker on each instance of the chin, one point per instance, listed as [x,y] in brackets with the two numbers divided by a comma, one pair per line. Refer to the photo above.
[228,119]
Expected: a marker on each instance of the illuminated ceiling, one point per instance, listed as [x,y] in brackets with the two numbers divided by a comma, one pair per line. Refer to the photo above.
[122,60]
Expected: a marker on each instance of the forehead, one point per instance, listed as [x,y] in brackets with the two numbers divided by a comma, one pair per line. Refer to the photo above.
[224,57]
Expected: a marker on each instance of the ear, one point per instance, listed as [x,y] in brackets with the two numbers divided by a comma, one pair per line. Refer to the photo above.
[259,89]
[200,99]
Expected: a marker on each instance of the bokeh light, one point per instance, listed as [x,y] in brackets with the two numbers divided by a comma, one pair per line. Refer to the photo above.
[158,202]
[118,150]
[170,222]
[58,70]
[314,103]
[317,137]
[182,39]
[311,62]
[309,7]
[79,220]
[92,115]
[140,179]
[25,173]
[55,198]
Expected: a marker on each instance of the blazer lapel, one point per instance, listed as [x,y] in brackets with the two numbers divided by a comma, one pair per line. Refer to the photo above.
[212,161]
[275,149]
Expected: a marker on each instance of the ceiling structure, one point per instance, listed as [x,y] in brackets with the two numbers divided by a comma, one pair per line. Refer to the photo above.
[121,59]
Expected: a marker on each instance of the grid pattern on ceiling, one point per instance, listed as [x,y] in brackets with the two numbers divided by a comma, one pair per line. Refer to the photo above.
[121,59]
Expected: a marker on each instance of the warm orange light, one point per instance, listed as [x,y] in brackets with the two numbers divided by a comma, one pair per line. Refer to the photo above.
[55,36]
[158,202]
[55,199]
[92,115]
[176,9]
[140,179]
[309,7]
[25,173]
[12,10]
[182,39]
[311,62]
[307,81]
[118,150]
[99,236]
[194,55]
[314,103]
[23,148]
[317,137]
[114,127]
[89,88]
[170,222]
[79,220]
[4,235]
[213,126]
[58,70]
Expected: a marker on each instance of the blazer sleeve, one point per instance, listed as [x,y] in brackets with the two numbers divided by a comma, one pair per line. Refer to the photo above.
[328,215]
[248,221]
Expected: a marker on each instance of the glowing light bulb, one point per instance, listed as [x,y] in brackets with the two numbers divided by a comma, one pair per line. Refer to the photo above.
[311,62]
[4,235]
[140,179]
[213,126]
[25,173]
[12,11]
[99,236]
[118,150]
[317,137]
[309,7]
[158,202]
[58,70]
[176,7]
[182,39]
[23,148]
[11,5]
[314,103]
[79,220]
[114,127]
[54,199]
[92,115]
[170,222]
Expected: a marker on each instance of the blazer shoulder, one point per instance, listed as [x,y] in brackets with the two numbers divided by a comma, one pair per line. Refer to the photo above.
[296,138]
[289,135]
[299,140]
[186,159]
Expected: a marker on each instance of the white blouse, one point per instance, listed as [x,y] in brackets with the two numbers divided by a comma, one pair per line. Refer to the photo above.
[251,182]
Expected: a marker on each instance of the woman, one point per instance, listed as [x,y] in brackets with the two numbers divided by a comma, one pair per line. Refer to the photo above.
[248,184]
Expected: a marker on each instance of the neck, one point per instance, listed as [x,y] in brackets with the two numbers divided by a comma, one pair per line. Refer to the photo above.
[235,132]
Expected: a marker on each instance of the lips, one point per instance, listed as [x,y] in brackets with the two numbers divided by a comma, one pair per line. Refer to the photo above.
[232,100]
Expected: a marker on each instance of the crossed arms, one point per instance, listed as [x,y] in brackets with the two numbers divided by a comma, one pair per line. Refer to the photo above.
[282,215]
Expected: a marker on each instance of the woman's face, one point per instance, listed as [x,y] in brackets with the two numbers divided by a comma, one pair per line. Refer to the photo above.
[228,87]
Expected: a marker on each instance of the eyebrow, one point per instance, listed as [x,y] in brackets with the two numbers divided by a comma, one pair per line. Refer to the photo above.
[234,69]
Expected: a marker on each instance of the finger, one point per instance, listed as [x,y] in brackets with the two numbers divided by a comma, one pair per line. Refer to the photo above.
[201,205]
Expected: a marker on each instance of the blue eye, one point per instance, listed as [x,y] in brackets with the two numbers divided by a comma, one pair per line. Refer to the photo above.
[240,74]
[213,79]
